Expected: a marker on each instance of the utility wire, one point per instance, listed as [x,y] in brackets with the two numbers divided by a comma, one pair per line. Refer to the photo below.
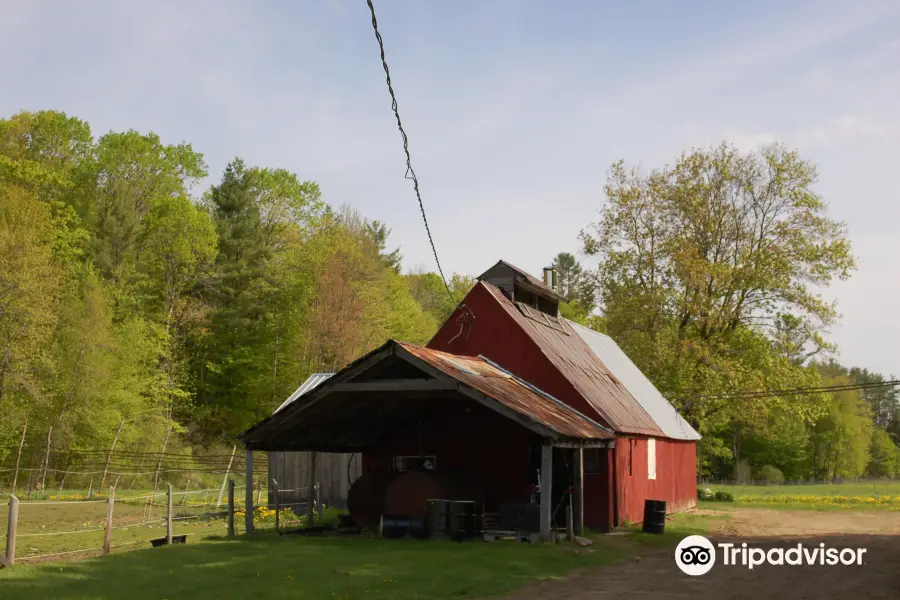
[801,390]
[410,173]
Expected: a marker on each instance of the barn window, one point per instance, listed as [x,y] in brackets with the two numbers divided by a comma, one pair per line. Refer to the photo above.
[651,458]
[402,464]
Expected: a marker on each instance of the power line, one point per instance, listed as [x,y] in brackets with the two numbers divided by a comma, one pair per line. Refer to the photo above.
[801,390]
[410,173]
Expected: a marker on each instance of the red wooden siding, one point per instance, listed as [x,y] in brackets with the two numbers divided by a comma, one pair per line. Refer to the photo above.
[676,477]
[494,334]
[492,451]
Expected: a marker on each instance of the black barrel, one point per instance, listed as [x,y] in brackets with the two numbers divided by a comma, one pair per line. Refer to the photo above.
[437,515]
[654,516]
[399,526]
[463,519]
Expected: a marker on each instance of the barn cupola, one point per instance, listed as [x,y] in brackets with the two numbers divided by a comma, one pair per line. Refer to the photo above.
[522,288]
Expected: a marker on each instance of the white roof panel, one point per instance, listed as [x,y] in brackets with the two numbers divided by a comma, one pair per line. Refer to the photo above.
[650,398]
[312,382]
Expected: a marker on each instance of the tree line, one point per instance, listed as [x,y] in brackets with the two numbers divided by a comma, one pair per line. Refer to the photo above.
[710,276]
[128,297]
[134,304]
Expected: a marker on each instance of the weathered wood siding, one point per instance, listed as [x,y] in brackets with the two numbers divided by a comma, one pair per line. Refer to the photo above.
[334,472]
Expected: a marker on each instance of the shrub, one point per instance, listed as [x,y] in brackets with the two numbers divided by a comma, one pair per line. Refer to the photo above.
[770,474]
[705,494]
[724,497]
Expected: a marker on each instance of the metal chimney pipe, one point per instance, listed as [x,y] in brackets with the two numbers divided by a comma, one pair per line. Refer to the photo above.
[554,278]
[547,276]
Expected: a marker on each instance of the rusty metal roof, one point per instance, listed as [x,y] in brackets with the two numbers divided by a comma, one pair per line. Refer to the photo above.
[575,360]
[329,417]
[513,392]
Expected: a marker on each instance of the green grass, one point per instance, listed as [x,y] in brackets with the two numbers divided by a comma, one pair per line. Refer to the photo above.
[885,495]
[883,487]
[269,566]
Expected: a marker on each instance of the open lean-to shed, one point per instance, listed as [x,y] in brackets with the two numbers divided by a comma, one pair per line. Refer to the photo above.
[472,419]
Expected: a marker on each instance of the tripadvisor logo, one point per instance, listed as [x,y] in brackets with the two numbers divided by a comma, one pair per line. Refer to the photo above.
[696,555]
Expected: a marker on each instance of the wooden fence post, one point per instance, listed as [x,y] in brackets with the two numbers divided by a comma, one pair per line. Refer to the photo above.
[169,514]
[91,489]
[111,448]
[186,487]
[231,508]
[19,455]
[11,531]
[225,479]
[259,492]
[107,531]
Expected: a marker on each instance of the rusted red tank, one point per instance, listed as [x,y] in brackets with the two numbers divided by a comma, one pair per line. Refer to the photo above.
[408,493]
[365,500]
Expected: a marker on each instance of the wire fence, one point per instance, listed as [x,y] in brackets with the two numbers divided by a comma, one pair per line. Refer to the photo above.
[76,527]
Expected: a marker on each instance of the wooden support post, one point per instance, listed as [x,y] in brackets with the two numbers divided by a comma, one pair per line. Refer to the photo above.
[225,479]
[248,508]
[277,507]
[11,526]
[310,494]
[109,455]
[46,459]
[107,531]
[231,508]
[547,491]
[578,492]
[570,518]
[318,498]
[168,514]
[19,456]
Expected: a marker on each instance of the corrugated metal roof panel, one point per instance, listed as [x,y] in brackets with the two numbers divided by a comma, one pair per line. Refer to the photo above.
[312,382]
[575,360]
[656,405]
[502,386]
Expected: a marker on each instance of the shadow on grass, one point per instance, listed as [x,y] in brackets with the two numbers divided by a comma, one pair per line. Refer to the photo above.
[265,565]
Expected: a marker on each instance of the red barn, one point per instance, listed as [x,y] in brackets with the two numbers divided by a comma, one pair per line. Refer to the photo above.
[513,319]
[508,403]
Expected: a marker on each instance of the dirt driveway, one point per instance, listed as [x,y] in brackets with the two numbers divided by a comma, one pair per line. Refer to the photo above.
[655,575]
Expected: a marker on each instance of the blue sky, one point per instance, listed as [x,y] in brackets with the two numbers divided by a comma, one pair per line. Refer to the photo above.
[515,109]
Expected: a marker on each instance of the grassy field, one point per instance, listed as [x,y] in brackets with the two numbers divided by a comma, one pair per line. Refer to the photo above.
[270,566]
[875,495]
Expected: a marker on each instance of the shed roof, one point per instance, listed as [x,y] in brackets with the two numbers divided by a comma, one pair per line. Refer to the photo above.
[311,382]
[656,405]
[340,413]
[581,366]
